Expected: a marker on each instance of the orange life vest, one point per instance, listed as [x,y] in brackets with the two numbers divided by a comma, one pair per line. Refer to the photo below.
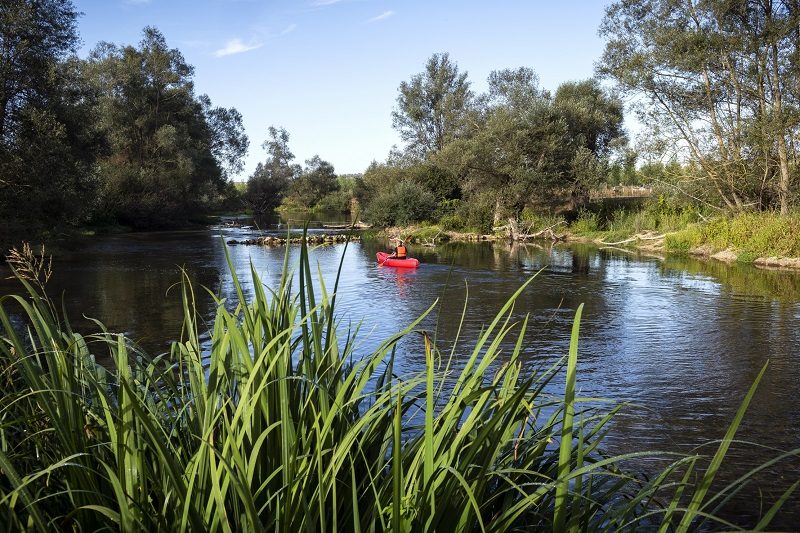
[400,252]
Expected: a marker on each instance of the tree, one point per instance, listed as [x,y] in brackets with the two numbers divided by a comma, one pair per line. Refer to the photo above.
[317,180]
[228,142]
[509,153]
[271,179]
[526,146]
[715,82]
[34,37]
[431,108]
[405,202]
[594,119]
[47,145]
[169,151]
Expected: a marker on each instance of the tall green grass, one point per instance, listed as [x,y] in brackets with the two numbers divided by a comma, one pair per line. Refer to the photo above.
[278,424]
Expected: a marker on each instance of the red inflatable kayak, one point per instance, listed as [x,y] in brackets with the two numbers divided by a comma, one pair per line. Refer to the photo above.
[384,259]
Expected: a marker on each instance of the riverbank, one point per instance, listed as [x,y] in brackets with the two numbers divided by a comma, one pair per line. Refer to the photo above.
[766,240]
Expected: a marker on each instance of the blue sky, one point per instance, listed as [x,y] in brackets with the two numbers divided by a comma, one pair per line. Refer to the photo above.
[328,70]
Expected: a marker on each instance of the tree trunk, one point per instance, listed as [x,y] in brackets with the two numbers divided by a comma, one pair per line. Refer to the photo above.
[497,213]
[780,137]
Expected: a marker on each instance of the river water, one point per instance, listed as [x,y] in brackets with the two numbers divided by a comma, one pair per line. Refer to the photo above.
[681,340]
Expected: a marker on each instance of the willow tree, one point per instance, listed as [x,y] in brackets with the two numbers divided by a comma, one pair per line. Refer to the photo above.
[714,80]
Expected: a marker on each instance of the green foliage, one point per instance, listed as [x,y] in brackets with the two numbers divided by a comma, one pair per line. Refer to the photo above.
[316,181]
[270,421]
[426,233]
[586,224]
[431,185]
[169,151]
[405,203]
[675,60]
[525,144]
[432,107]
[756,234]
[594,119]
[683,241]
[473,216]
[267,186]
[536,221]
[47,143]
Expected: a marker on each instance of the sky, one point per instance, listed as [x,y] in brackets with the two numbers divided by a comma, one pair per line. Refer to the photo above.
[329,70]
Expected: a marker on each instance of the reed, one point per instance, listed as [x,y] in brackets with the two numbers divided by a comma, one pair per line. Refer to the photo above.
[277,423]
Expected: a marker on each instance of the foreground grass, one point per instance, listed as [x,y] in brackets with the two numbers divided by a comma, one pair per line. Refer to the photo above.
[276,424]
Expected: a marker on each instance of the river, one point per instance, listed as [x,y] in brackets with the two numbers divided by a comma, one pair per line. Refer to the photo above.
[680,339]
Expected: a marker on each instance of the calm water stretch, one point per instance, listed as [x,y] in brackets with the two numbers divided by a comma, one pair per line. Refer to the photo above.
[680,339]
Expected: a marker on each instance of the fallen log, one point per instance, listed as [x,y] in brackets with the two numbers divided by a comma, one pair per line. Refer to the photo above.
[635,238]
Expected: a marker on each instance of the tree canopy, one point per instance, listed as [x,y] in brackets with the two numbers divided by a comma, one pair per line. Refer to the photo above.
[118,137]
[267,186]
[46,143]
[168,149]
[714,84]
[517,144]
[431,106]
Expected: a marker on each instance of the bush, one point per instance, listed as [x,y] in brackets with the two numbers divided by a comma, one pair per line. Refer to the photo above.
[532,221]
[474,214]
[586,224]
[405,203]
[683,241]
[338,201]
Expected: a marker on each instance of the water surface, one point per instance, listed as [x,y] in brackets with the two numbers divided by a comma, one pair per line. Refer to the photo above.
[680,339]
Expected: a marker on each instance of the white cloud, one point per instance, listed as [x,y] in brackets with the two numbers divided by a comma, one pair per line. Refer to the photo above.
[325,2]
[236,46]
[289,29]
[382,16]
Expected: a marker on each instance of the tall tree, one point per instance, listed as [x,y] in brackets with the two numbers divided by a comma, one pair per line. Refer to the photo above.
[715,81]
[594,118]
[529,146]
[168,150]
[34,37]
[267,186]
[46,142]
[431,108]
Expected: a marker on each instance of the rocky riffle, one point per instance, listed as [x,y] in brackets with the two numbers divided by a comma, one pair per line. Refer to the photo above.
[269,240]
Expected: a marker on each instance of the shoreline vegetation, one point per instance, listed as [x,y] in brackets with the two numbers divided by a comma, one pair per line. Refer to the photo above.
[275,422]
[765,240]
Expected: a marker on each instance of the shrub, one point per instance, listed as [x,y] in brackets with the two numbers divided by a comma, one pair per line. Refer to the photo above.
[405,203]
[476,213]
[586,224]
[683,241]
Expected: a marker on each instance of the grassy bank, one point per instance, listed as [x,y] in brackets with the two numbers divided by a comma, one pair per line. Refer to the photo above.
[276,422]
[746,237]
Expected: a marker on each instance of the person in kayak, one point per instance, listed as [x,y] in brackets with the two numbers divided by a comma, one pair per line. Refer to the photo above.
[400,252]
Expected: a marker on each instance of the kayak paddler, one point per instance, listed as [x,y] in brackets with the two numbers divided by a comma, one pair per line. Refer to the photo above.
[400,251]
